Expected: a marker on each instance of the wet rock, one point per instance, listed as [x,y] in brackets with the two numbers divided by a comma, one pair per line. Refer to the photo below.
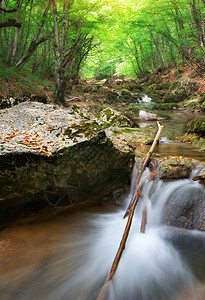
[132,113]
[197,126]
[192,245]
[117,197]
[186,208]
[176,167]
[148,116]
[200,178]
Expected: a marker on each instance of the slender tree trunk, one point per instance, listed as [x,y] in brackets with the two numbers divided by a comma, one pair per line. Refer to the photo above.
[16,38]
[56,44]
[5,30]
[15,46]
[34,43]
[157,48]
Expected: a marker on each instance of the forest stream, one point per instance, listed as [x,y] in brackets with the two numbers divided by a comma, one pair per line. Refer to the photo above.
[83,84]
[68,256]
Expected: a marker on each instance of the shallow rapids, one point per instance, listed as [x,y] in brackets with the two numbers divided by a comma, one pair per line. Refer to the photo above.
[69,256]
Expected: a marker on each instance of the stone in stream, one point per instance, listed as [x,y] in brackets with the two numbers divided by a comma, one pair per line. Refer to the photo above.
[200,178]
[175,167]
[197,126]
[186,208]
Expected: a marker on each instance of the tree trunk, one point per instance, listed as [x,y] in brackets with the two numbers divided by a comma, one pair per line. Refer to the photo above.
[60,93]
[157,48]
[15,46]
[34,43]
[56,44]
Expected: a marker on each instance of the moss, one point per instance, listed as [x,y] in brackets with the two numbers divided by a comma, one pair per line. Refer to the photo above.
[175,97]
[131,112]
[87,129]
[116,131]
[108,117]
[106,125]
[165,106]
[197,126]
[130,130]
[108,112]
[165,116]
[75,108]
[200,143]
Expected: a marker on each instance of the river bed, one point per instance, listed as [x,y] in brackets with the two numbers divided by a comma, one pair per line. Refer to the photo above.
[68,256]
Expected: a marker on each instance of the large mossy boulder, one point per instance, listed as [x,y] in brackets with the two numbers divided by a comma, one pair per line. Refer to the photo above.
[197,126]
[52,157]
[175,167]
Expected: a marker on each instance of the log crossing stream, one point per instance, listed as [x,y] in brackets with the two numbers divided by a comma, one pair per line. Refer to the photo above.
[69,255]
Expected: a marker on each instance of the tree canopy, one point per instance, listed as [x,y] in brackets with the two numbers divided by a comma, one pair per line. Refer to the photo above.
[69,39]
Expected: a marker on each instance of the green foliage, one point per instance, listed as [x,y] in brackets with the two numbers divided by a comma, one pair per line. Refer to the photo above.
[108,38]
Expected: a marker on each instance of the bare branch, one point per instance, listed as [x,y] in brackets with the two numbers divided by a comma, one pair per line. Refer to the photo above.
[10,23]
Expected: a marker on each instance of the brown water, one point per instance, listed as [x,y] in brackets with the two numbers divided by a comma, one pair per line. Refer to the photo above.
[68,256]
[175,127]
[170,148]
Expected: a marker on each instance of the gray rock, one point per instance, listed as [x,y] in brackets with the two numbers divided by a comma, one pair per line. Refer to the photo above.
[52,158]
[186,208]
[176,167]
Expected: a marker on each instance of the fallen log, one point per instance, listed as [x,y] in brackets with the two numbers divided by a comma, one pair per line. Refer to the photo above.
[130,213]
[144,165]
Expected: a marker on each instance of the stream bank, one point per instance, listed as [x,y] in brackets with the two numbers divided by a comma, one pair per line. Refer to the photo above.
[54,157]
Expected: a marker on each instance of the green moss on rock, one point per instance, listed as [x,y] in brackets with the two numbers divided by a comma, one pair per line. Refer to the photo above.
[197,126]
[175,167]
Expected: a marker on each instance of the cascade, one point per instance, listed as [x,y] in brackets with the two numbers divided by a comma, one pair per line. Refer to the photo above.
[75,265]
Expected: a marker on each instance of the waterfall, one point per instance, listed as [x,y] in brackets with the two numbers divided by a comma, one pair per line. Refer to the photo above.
[151,267]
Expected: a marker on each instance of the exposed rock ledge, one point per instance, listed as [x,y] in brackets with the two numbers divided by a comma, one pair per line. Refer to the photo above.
[51,157]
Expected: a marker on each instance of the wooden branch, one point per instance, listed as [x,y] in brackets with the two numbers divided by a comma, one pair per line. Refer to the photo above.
[10,23]
[145,164]
[130,210]
[144,219]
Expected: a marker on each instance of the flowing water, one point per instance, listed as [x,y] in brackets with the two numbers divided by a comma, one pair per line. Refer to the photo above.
[69,255]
